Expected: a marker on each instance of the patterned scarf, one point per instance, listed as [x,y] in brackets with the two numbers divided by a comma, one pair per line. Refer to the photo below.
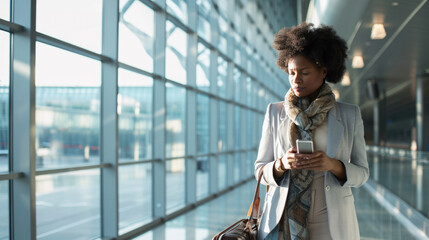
[305,117]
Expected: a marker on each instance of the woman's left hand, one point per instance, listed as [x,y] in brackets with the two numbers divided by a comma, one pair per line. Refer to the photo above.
[321,162]
[314,161]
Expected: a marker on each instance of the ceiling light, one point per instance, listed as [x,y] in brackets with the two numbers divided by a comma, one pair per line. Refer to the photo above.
[357,62]
[378,31]
[395,4]
[346,80]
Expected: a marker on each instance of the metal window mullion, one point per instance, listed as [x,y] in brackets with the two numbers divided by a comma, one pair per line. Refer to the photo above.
[230,125]
[242,86]
[213,124]
[23,134]
[420,114]
[159,117]
[191,107]
[109,198]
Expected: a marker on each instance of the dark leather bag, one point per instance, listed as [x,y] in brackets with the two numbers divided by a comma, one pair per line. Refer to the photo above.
[246,228]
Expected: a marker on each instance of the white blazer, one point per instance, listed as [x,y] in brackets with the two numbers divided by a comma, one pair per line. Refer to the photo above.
[345,142]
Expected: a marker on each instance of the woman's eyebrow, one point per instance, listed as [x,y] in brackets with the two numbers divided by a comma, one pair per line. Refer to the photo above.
[303,68]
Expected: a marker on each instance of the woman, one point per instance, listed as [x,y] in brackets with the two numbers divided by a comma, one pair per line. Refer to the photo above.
[310,195]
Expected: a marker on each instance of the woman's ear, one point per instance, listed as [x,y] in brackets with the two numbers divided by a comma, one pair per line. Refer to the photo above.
[324,72]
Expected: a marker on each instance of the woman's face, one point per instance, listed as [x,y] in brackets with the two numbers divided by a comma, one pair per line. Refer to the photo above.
[305,77]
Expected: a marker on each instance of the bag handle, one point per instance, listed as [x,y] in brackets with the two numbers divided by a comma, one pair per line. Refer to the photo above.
[253,212]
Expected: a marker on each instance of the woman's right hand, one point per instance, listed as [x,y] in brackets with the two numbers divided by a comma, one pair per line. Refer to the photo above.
[289,159]
[286,162]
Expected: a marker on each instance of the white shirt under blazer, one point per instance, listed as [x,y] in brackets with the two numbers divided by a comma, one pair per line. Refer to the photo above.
[345,142]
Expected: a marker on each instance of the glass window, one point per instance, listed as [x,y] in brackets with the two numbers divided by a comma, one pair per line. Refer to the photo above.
[237,166]
[203,121]
[204,8]
[175,181]
[5,9]
[204,28]
[222,172]
[237,15]
[249,52]
[136,35]
[237,128]
[222,76]
[68,205]
[250,129]
[203,68]
[237,51]
[178,8]
[237,85]
[4,211]
[222,146]
[135,116]
[175,56]
[223,33]
[202,177]
[175,121]
[4,100]
[135,196]
[249,97]
[67,108]
[77,22]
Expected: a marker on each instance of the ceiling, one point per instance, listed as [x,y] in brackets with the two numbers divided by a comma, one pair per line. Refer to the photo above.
[395,62]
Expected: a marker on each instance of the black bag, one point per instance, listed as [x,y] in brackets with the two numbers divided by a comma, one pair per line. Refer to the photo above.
[247,228]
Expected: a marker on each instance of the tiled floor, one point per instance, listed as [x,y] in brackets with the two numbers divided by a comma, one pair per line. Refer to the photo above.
[210,218]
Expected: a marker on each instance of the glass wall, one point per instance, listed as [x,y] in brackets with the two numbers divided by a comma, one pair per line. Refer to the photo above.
[4,100]
[127,114]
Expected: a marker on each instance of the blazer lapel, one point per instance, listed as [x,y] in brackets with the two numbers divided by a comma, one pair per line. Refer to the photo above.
[335,131]
[283,132]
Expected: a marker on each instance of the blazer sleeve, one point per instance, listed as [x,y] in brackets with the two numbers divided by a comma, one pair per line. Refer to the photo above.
[357,170]
[266,151]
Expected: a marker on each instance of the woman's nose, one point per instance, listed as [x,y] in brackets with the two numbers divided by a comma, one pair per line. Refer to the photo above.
[296,78]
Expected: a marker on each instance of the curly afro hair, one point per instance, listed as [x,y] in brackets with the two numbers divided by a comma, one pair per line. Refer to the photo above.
[320,45]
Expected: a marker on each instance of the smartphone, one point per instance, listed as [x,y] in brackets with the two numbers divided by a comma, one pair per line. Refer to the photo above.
[304,146]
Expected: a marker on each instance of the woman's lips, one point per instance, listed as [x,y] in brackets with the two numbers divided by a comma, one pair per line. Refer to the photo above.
[298,89]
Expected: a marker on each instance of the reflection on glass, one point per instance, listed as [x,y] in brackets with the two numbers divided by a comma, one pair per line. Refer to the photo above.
[238,128]
[175,184]
[222,172]
[237,51]
[203,107]
[135,116]
[77,21]
[204,8]
[175,121]
[250,129]
[68,205]
[222,147]
[202,177]
[204,20]
[248,93]
[135,196]
[175,56]
[67,108]
[237,16]
[4,100]
[237,85]
[222,76]
[203,68]
[4,210]
[237,166]
[5,9]
[136,35]
[249,52]
[178,8]
[223,32]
